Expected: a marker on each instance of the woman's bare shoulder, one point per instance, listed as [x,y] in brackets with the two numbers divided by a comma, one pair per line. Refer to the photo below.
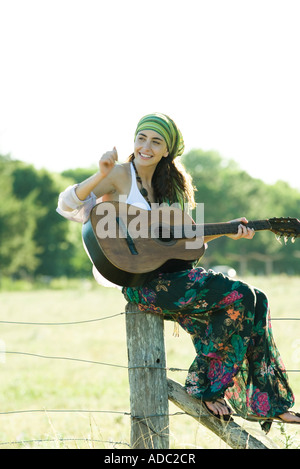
[122,177]
[122,168]
[120,173]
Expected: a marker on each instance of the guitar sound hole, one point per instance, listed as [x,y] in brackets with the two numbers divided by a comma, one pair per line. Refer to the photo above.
[164,234]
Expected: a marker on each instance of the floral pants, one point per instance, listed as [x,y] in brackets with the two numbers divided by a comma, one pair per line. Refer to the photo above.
[230,326]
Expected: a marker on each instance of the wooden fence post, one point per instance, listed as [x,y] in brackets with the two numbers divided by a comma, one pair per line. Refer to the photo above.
[149,404]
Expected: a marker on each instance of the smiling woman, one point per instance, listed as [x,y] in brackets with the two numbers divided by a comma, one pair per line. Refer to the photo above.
[229,321]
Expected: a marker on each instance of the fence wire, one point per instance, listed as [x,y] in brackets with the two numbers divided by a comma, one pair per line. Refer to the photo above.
[82,360]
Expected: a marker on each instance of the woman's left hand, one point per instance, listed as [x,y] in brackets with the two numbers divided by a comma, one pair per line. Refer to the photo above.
[243,230]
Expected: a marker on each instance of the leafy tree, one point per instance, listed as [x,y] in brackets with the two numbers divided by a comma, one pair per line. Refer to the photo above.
[52,233]
[78,174]
[228,193]
[18,249]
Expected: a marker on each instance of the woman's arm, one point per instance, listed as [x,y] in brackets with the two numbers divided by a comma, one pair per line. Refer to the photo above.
[243,232]
[76,202]
[101,182]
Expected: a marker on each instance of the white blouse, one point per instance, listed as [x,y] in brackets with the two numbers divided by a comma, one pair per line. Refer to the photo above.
[80,208]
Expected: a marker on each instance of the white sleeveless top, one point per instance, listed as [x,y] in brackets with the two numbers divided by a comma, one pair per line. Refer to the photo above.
[135,197]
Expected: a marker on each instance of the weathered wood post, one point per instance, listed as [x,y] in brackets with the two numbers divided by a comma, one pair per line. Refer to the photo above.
[149,404]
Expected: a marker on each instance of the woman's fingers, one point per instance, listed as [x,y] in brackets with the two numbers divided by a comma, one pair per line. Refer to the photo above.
[115,154]
[243,230]
[108,160]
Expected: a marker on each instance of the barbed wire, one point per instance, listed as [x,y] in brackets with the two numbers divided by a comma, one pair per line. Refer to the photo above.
[90,411]
[37,355]
[95,362]
[61,323]
[84,411]
[61,440]
[101,319]
[86,440]
[111,442]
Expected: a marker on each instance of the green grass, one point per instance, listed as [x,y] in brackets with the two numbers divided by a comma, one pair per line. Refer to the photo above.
[36,383]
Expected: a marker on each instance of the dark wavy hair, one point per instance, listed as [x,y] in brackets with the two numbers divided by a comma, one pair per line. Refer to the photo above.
[171,182]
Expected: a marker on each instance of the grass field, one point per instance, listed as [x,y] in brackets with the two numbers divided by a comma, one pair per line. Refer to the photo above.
[68,399]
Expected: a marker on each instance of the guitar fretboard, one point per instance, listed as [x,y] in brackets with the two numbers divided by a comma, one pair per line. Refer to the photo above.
[211,229]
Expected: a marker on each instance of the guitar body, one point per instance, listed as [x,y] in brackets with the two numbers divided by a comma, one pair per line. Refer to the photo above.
[102,263]
[128,245]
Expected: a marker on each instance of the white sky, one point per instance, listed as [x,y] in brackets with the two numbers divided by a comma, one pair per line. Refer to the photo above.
[76,76]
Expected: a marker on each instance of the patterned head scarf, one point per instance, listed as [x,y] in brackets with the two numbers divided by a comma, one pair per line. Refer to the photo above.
[165,127]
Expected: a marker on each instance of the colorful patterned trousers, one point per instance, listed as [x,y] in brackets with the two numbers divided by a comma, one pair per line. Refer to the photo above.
[229,323]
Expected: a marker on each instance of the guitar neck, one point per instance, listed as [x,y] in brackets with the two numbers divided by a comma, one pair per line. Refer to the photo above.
[211,229]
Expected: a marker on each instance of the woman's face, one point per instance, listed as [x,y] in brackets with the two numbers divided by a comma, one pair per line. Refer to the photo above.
[149,147]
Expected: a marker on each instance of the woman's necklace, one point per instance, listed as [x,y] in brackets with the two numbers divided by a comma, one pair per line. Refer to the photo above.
[143,191]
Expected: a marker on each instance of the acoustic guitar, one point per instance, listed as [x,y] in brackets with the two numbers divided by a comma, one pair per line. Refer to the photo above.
[129,245]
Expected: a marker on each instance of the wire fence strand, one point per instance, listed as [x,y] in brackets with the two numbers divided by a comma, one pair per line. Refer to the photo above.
[95,362]
[86,361]
[61,323]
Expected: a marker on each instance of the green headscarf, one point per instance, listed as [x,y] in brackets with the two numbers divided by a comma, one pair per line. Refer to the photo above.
[165,127]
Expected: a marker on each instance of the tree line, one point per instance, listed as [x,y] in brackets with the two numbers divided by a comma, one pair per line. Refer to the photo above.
[35,241]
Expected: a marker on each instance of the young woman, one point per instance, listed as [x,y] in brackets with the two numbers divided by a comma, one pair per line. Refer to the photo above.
[228,320]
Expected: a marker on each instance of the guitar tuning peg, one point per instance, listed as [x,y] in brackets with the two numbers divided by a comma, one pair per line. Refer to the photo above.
[278,237]
[293,239]
[285,238]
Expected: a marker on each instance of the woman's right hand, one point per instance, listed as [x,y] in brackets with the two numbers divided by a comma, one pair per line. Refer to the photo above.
[98,183]
[107,161]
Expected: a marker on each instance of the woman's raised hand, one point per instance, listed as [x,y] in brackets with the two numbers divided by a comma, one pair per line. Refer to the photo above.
[107,161]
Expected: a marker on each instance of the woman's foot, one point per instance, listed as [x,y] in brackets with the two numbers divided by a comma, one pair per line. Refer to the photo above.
[290,417]
[219,408]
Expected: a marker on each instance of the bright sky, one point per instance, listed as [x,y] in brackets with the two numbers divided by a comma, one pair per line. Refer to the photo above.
[76,76]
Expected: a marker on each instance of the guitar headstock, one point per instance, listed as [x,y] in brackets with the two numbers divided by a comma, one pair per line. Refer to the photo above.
[286,227]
